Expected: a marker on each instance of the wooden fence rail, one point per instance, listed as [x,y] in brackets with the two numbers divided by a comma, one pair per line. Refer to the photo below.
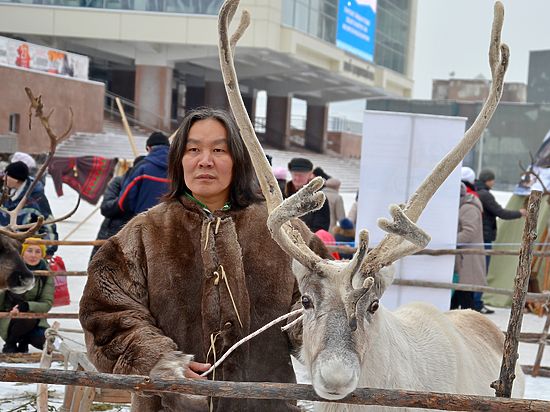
[260,390]
[531,297]
[332,248]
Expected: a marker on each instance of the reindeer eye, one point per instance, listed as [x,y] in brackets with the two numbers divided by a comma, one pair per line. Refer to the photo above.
[306,302]
[373,306]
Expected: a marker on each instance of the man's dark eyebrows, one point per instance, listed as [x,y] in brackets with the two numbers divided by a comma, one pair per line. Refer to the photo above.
[215,142]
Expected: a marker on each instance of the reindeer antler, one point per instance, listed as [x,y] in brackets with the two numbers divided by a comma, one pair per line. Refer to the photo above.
[404,236]
[280,212]
[392,247]
[12,228]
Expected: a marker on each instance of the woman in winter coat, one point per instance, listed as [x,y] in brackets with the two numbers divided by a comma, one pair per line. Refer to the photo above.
[114,217]
[19,333]
[194,275]
[470,268]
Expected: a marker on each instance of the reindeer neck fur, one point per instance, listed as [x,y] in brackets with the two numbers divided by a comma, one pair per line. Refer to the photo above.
[411,338]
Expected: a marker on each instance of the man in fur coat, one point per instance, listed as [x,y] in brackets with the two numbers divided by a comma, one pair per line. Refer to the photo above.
[194,275]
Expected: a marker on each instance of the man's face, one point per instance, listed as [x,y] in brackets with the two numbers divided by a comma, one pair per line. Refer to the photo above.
[490,183]
[300,179]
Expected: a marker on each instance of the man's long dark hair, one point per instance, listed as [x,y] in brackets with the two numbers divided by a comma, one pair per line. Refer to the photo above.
[244,185]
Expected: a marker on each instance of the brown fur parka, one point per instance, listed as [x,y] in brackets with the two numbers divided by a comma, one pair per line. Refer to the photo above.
[159,285]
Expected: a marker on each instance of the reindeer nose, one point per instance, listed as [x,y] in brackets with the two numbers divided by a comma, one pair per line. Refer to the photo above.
[337,380]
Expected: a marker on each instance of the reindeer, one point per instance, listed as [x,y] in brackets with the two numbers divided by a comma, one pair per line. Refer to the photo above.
[14,274]
[349,339]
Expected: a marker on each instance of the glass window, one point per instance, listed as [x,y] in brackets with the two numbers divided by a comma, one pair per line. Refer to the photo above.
[392,34]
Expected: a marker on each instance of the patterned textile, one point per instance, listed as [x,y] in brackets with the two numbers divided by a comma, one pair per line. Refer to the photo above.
[88,175]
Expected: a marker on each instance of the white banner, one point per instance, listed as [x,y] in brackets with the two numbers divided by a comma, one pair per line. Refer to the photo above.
[45,59]
[398,151]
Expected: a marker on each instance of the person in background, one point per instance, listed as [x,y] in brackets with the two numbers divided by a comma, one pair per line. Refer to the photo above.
[491,210]
[147,183]
[301,172]
[344,232]
[468,177]
[18,334]
[352,214]
[27,159]
[334,199]
[329,240]
[115,219]
[281,174]
[17,180]
[469,269]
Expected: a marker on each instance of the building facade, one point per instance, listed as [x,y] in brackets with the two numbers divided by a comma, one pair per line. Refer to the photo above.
[163,54]
[475,90]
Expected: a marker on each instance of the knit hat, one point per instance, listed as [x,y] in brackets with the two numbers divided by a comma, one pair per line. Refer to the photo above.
[157,139]
[18,171]
[26,245]
[468,175]
[346,224]
[300,164]
[25,158]
[280,173]
[486,175]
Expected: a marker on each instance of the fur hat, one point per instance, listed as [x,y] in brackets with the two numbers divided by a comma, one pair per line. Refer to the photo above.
[17,170]
[486,175]
[346,224]
[157,139]
[468,175]
[300,164]
[26,245]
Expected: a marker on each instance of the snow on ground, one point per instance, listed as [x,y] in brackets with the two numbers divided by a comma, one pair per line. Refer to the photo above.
[14,396]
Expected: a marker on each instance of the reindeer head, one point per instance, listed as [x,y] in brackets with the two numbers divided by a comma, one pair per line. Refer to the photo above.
[14,274]
[341,299]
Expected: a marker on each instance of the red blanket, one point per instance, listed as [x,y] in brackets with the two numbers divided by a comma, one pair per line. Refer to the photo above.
[88,175]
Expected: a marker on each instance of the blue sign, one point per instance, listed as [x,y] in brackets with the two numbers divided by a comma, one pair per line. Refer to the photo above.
[357,27]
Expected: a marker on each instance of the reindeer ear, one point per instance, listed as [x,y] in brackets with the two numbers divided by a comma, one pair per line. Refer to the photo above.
[383,279]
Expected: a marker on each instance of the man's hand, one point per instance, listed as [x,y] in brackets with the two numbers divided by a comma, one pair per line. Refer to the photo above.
[523,212]
[195,368]
[176,365]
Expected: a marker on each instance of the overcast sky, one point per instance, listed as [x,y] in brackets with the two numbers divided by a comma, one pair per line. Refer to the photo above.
[453,36]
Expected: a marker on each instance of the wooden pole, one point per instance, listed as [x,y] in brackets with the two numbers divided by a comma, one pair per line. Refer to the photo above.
[65,242]
[31,315]
[263,390]
[93,212]
[45,363]
[127,127]
[503,386]
[59,273]
[531,297]
[542,344]
[441,252]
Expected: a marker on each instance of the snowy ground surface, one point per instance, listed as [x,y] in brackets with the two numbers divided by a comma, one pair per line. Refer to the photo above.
[20,397]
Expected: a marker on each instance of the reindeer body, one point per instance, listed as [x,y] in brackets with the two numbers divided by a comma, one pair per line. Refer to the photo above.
[417,347]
